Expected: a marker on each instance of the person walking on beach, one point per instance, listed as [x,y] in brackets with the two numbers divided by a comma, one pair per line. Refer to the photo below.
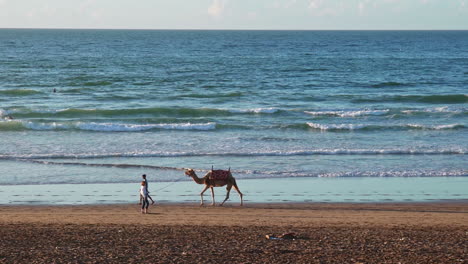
[144,197]
[147,191]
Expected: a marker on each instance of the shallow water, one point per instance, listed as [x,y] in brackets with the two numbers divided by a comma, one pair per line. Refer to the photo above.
[316,190]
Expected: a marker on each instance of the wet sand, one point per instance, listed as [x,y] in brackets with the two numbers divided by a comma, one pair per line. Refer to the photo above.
[186,233]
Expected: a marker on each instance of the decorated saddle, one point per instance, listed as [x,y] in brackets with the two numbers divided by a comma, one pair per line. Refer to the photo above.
[220,175]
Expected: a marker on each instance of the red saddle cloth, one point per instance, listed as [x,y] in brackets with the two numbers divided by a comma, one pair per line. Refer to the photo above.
[219,174]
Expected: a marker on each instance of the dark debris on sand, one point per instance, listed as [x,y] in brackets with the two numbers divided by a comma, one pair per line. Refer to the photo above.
[62,243]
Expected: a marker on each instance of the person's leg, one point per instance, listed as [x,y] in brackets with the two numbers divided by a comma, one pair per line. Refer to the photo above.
[152,201]
[143,204]
[146,204]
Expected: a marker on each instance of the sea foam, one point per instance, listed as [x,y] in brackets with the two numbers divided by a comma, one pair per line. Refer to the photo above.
[351,113]
[115,127]
[303,152]
[269,110]
[351,127]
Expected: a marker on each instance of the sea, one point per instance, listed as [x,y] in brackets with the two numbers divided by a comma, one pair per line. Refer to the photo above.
[296,116]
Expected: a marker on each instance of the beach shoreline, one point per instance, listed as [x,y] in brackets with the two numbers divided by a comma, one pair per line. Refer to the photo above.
[187,233]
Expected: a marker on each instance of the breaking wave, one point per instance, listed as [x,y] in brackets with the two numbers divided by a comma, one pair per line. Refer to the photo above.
[351,113]
[386,112]
[350,127]
[167,113]
[310,152]
[443,109]
[20,125]
[270,110]
[101,127]
[153,112]
[257,174]
[109,127]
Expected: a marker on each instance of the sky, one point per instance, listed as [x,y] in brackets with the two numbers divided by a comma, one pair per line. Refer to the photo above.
[236,14]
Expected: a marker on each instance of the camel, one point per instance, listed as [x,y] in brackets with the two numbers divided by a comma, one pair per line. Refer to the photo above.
[230,181]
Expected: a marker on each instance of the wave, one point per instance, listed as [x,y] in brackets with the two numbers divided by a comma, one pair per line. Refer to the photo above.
[168,112]
[11,125]
[101,127]
[20,125]
[397,173]
[350,127]
[385,112]
[153,112]
[389,84]
[430,99]
[80,90]
[391,113]
[310,152]
[109,127]
[256,174]
[304,70]
[269,110]
[359,173]
[88,83]
[116,97]
[108,165]
[351,113]
[217,95]
[19,92]
[443,109]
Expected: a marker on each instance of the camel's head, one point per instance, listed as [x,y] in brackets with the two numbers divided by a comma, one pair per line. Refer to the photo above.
[189,172]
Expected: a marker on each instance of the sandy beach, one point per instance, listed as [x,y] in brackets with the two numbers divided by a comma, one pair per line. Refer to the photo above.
[186,233]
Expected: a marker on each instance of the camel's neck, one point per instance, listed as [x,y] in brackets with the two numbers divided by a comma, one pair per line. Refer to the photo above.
[196,179]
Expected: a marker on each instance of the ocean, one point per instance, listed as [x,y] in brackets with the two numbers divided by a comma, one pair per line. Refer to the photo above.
[295,115]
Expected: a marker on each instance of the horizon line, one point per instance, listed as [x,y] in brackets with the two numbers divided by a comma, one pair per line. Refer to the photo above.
[225,29]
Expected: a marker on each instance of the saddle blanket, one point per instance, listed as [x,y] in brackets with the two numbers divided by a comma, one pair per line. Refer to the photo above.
[219,174]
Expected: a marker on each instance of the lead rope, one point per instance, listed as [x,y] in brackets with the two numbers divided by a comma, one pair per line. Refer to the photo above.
[170,184]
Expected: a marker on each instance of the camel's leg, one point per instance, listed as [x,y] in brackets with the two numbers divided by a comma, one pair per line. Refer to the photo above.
[238,191]
[228,190]
[201,194]
[212,197]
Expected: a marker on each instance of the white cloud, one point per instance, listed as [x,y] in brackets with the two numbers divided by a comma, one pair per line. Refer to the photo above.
[362,6]
[216,8]
[315,4]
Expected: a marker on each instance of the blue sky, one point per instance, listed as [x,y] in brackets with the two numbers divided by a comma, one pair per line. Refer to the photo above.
[235,14]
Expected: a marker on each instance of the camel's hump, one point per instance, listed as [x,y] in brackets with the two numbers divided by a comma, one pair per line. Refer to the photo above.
[219,174]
